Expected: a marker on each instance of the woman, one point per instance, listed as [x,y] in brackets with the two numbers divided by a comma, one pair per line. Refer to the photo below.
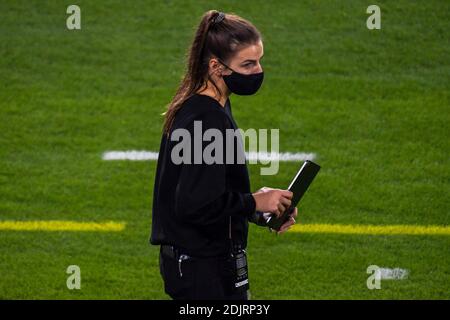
[201,210]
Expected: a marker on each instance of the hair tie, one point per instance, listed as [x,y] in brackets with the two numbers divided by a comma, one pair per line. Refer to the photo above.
[219,18]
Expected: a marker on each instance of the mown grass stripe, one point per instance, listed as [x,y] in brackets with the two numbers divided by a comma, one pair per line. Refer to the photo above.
[60,225]
[372,229]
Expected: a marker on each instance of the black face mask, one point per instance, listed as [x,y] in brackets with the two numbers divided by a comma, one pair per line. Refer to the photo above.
[243,84]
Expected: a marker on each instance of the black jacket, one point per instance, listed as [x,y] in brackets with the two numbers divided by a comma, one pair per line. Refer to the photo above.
[193,204]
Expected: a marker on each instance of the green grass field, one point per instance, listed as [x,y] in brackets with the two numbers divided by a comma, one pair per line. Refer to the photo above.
[372,104]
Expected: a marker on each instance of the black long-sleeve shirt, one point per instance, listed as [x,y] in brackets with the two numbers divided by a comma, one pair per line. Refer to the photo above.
[193,204]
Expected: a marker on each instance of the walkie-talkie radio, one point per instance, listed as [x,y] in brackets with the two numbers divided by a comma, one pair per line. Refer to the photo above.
[236,269]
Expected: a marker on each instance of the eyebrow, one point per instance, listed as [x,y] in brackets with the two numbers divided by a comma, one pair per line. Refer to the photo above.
[251,60]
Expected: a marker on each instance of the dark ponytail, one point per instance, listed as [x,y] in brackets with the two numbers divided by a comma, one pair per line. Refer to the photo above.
[220,35]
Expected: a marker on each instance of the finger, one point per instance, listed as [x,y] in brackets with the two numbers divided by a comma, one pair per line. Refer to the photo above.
[286,225]
[295,213]
[283,231]
[281,208]
[287,194]
[285,201]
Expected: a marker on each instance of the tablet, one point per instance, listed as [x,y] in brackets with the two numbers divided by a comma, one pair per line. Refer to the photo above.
[298,187]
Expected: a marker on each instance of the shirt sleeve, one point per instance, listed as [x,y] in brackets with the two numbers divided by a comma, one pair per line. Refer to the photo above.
[258,218]
[201,194]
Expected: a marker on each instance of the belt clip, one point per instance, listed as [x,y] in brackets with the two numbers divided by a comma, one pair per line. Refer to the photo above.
[180,260]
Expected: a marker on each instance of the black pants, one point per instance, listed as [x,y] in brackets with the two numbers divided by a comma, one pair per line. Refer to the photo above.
[200,279]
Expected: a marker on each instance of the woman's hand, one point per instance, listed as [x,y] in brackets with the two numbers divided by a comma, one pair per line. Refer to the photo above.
[288,224]
[264,189]
[275,201]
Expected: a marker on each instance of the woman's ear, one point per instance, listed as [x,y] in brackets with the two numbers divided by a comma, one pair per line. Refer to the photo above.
[216,67]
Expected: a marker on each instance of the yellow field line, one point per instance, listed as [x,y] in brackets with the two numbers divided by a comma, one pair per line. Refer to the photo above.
[60,225]
[372,229]
[110,226]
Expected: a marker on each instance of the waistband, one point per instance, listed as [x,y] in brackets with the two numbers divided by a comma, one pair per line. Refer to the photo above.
[175,253]
[172,252]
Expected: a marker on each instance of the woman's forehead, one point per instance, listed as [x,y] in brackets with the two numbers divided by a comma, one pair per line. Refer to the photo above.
[250,52]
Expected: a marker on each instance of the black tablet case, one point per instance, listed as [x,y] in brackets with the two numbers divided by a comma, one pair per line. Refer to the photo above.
[298,187]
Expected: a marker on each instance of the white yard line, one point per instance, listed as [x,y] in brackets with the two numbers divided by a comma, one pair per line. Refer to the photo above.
[131,155]
[134,155]
[391,274]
